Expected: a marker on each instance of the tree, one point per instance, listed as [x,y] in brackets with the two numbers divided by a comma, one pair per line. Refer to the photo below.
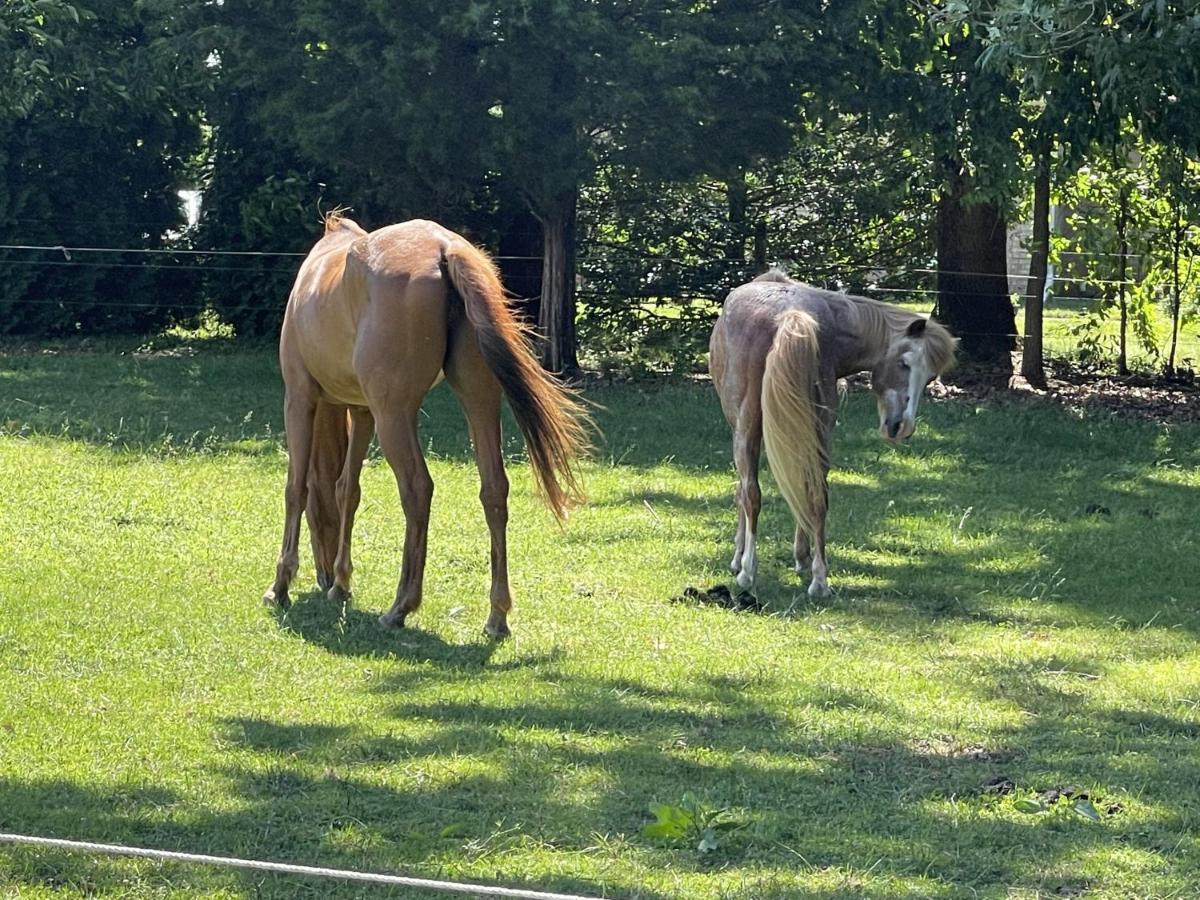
[1081,67]
[455,98]
[845,208]
[99,113]
[926,87]
[1110,202]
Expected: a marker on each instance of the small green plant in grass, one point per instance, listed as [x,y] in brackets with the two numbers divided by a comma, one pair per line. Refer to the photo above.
[1048,800]
[692,822]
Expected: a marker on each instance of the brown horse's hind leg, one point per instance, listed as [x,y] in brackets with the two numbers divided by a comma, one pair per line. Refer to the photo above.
[400,350]
[398,439]
[479,393]
[801,551]
[326,464]
[299,408]
[362,427]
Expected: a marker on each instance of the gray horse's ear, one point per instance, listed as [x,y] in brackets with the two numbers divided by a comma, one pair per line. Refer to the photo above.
[916,328]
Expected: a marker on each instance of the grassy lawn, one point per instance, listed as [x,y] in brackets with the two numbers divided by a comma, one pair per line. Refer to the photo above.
[1016,601]
[1064,315]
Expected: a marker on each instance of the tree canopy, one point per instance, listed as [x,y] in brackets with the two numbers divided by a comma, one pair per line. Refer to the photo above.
[659,152]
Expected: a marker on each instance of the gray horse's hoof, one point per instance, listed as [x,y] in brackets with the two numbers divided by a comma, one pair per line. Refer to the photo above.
[497,632]
[276,600]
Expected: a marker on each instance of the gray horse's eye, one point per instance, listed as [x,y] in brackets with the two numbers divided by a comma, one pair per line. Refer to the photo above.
[904,365]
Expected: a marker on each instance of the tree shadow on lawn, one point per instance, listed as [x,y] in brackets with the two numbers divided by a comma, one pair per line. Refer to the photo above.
[1088,473]
[127,402]
[347,631]
[579,756]
[214,399]
[1091,534]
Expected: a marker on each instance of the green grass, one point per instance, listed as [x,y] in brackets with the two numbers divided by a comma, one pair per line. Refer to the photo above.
[1015,596]
[1065,314]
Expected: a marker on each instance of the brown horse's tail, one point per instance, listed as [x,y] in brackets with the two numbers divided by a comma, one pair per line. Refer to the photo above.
[792,434]
[552,419]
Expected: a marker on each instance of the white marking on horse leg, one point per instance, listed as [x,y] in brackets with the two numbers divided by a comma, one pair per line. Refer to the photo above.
[819,586]
[749,563]
[739,542]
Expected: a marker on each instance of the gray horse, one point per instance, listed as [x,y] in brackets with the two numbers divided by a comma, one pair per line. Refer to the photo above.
[777,352]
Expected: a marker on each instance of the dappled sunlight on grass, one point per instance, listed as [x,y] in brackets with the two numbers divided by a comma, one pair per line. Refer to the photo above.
[1013,600]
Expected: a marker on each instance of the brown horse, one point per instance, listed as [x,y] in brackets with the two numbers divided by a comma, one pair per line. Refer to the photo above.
[372,323]
[776,354]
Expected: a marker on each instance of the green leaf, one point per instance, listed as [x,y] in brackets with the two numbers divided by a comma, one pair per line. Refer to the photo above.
[672,822]
[661,831]
[1026,805]
[1086,809]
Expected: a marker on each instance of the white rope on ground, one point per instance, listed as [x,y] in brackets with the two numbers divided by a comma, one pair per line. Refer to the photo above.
[431,884]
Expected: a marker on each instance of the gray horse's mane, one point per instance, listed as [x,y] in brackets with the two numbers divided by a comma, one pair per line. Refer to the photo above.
[879,323]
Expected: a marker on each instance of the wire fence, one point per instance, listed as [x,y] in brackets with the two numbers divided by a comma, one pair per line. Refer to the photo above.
[886,281]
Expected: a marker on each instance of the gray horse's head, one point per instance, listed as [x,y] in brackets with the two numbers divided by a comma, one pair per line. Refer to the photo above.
[913,358]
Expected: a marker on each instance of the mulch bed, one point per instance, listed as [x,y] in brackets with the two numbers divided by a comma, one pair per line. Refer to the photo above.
[1154,398]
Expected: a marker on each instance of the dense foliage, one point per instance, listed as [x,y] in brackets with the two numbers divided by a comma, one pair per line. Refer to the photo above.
[650,154]
[100,111]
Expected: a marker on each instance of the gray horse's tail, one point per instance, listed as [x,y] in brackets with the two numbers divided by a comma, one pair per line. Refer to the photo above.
[795,446]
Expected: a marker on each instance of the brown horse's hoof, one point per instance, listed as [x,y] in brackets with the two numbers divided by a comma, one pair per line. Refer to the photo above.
[496,631]
[324,579]
[276,599]
[338,594]
[392,620]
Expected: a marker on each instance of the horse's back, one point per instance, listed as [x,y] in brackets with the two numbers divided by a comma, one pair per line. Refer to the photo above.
[368,303]
[745,331]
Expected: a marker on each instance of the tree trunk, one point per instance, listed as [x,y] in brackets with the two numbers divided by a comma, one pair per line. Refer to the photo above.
[1178,233]
[760,246]
[556,319]
[972,280]
[737,195]
[520,256]
[1122,268]
[1032,355]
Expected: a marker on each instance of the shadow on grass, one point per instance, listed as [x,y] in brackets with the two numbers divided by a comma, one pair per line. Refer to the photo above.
[345,630]
[573,757]
[1083,528]
[1117,529]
